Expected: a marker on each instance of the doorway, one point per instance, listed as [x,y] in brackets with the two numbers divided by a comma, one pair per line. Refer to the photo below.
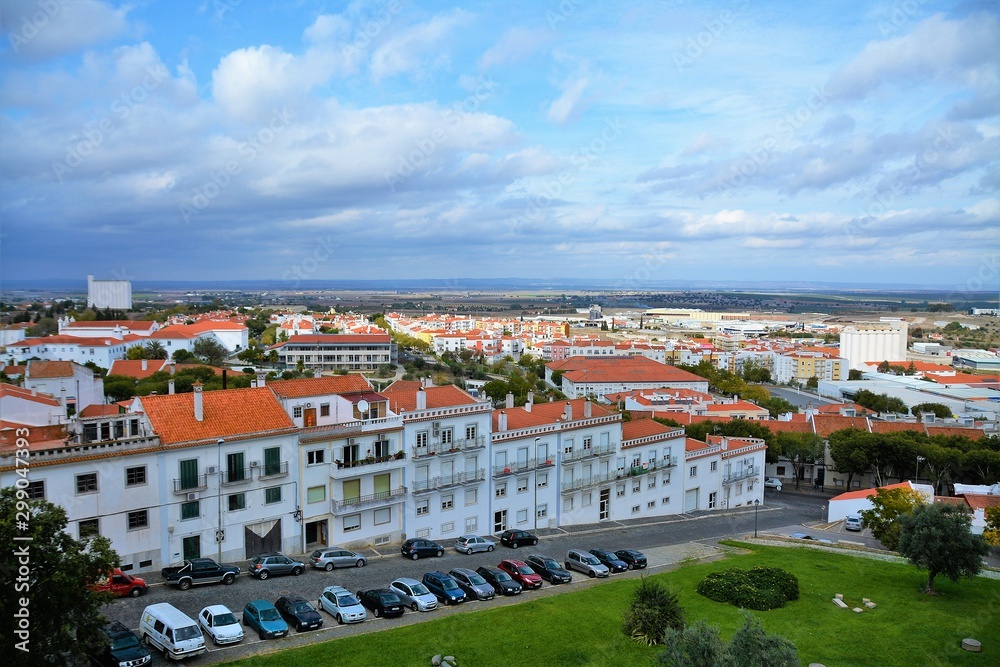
[691,500]
[316,533]
[192,547]
[605,504]
[500,521]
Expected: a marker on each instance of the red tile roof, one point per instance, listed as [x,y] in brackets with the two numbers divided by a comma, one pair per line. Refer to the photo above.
[864,493]
[227,413]
[973,433]
[896,427]
[49,369]
[444,396]
[778,426]
[826,424]
[642,428]
[621,370]
[321,386]
[133,367]
[98,410]
[339,339]
[545,413]
[26,394]
[138,325]
[979,501]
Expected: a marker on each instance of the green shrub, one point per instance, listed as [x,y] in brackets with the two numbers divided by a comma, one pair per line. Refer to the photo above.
[759,588]
[653,610]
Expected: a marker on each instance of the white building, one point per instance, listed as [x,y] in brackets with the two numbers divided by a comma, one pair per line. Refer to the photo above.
[583,376]
[723,472]
[73,385]
[114,294]
[647,479]
[20,406]
[861,343]
[101,351]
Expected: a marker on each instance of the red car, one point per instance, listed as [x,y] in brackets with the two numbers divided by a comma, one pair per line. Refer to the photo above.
[120,585]
[521,573]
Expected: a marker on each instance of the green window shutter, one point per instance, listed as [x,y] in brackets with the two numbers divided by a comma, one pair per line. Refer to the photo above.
[189,474]
[352,489]
[234,467]
[272,460]
[272,495]
[382,484]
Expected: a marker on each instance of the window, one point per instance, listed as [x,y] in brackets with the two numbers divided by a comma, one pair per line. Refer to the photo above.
[470,431]
[423,506]
[501,490]
[665,501]
[424,532]
[272,495]
[135,476]
[587,443]
[713,466]
[568,447]
[447,501]
[543,511]
[637,487]
[693,472]
[652,482]
[191,510]
[237,501]
[780,472]
[522,516]
[138,519]
[472,525]
[739,488]
[383,515]
[587,499]
[620,491]
[235,470]
[447,436]
[635,509]
[324,409]
[35,490]
[315,494]
[448,527]
[522,484]
[297,411]
[272,461]
[86,483]
[89,528]
[711,500]
[471,496]
[381,449]
[421,438]
[352,522]
[189,473]
[568,504]
[315,457]
[543,480]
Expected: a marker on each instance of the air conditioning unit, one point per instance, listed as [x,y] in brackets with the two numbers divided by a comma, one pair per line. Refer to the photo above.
[255,464]
[211,470]
[436,425]
[193,496]
[351,442]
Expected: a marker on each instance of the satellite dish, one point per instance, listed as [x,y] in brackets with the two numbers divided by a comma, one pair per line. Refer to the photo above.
[363,405]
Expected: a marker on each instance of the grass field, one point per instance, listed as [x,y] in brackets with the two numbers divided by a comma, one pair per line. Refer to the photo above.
[583,627]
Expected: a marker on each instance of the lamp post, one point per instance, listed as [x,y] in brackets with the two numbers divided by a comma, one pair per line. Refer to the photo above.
[917,474]
[535,482]
[756,504]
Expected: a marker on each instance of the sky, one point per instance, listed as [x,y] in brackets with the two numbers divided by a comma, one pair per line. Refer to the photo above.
[630,142]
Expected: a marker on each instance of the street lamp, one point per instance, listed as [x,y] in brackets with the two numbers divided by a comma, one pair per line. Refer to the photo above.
[756,504]
[535,482]
[917,475]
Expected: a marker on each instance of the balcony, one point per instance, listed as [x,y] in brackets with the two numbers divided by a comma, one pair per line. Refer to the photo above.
[460,478]
[189,484]
[740,475]
[371,500]
[666,463]
[520,466]
[587,482]
[446,448]
[588,452]
[388,461]
[273,471]
[237,476]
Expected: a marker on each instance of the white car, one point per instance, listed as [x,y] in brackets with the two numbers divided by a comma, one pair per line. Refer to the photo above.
[772,483]
[219,623]
[342,605]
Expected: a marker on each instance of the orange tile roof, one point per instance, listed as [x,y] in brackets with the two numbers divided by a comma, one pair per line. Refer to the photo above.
[49,369]
[737,406]
[973,433]
[621,370]
[404,385]
[99,410]
[896,427]
[26,394]
[227,413]
[835,408]
[777,426]
[321,386]
[642,428]
[110,324]
[202,326]
[12,370]
[133,367]
[980,501]
[864,493]
[692,445]
[444,396]
[545,413]
[826,424]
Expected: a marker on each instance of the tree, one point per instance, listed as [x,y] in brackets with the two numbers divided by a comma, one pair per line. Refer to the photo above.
[855,374]
[182,356]
[136,352]
[701,646]
[752,645]
[983,464]
[940,410]
[938,538]
[653,609]
[61,569]
[209,351]
[992,531]
[799,449]
[888,505]
[812,383]
[155,350]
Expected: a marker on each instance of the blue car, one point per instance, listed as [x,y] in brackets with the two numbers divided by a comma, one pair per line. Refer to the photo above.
[444,587]
[610,559]
[263,617]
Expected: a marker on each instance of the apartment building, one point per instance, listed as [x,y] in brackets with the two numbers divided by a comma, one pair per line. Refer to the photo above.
[582,376]
[334,352]
[647,480]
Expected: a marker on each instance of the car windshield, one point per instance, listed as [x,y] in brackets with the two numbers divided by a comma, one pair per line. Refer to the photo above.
[124,641]
[419,589]
[224,619]
[551,564]
[503,576]
[449,584]
[190,632]
[389,599]
[476,580]
[591,560]
[524,569]
[269,615]
[347,600]
[301,607]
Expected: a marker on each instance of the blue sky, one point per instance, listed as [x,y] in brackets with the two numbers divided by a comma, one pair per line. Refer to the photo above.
[632,142]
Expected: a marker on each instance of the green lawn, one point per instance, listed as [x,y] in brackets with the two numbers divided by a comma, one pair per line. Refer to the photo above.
[583,627]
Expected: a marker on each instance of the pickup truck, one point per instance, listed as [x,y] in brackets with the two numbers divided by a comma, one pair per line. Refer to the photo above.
[199,571]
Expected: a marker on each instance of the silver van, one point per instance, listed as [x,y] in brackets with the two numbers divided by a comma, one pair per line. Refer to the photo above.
[167,628]
[853,522]
[583,561]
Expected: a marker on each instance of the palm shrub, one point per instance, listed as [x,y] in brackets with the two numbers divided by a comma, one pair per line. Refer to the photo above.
[654,609]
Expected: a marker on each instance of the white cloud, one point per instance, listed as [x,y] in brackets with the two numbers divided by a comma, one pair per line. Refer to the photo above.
[567,107]
[37,30]
[514,46]
[408,50]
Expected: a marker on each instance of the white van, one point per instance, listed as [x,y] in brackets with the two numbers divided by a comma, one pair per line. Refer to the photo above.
[167,628]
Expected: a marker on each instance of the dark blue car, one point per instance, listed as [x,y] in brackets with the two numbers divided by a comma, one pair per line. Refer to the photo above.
[610,559]
[444,587]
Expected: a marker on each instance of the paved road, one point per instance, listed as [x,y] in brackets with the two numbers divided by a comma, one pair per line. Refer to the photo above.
[664,541]
[797,398]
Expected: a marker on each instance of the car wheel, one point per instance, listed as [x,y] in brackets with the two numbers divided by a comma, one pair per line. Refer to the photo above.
[629,566]
[361,562]
[261,635]
[263,575]
[229,578]
[145,641]
[513,545]
[215,641]
[296,571]
[440,553]
[489,548]
[340,619]
[591,574]
[376,612]
[184,585]
[135,592]
[413,607]
[534,542]
[415,556]
[328,567]
[166,654]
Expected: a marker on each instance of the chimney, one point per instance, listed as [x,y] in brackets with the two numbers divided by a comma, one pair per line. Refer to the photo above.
[261,379]
[510,401]
[502,421]
[145,364]
[569,411]
[170,386]
[62,398]
[421,399]
[173,367]
[586,409]
[223,378]
[530,401]
[199,412]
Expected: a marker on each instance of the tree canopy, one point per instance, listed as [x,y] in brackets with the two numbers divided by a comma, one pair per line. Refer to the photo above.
[938,538]
[888,506]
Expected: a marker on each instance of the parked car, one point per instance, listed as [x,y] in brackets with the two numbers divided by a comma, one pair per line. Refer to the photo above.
[610,559]
[331,557]
[261,616]
[120,647]
[444,587]
[418,548]
[170,630]
[120,584]
[298,612]
[853,522]
[518,538]
[414,594]
[382,602]
[196,571]
[772,483]
[475,587]
[501,582]
[469,544]
[521,573]
[263,566]
[219,623]
[586,562]
[549,569]
[342,605]
[634,560]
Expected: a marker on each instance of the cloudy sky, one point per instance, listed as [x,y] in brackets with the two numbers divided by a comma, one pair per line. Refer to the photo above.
[634,142]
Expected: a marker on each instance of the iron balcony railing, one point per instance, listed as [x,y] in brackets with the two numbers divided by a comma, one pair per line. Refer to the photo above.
[237,476]
[271,471]
[192,483]
[587,482]
[446,448]
[515,467]
[445,481]
[739,475]
[397,457]
[584,453]
[371,500]
[665,463]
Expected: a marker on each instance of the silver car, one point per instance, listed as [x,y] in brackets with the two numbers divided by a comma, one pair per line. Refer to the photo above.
[331,557]
[475,587]
[582,561]
[414,594]
[342,605]
[470,544]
